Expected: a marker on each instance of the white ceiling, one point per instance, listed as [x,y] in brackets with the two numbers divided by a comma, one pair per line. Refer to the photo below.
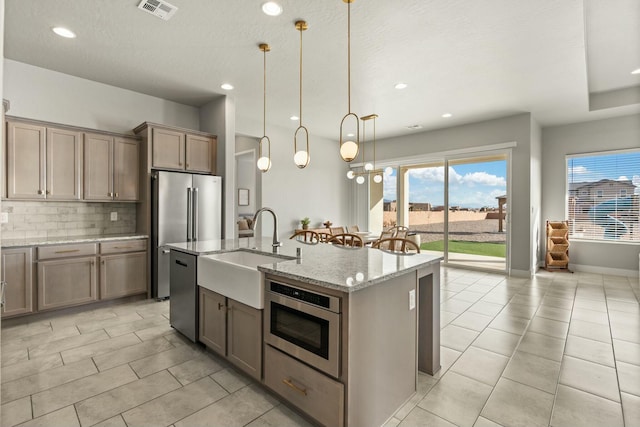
[474,59]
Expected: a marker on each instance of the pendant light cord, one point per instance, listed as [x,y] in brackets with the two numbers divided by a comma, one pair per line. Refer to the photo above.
[264,93]
[301,29]
[349,55]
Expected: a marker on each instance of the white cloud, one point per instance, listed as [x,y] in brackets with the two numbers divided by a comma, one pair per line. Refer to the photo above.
[483,178]
[623,178]
[578,170]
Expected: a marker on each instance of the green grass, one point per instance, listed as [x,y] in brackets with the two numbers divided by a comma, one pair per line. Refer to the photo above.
[476,248]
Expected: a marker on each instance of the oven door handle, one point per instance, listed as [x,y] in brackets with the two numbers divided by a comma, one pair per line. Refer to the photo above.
[295,387]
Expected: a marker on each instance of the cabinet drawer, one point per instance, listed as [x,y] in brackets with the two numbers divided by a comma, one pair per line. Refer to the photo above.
[314,393]
[123,246]
[65,251]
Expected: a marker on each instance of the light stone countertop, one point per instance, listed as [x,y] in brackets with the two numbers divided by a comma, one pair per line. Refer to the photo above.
[334,267]
[43,241]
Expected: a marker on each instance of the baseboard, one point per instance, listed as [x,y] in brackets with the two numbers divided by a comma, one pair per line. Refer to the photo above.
[526,274]
[603,270]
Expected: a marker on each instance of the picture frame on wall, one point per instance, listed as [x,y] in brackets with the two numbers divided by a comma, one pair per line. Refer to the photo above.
[243,197]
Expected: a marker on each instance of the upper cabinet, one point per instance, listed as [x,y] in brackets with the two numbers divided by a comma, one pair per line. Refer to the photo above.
[43,162]
[179,149]
[111,168]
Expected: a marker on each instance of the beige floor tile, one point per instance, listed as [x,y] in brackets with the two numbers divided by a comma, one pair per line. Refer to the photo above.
[629,377]
[631,409]
[628,352]
[65,417]
[154,332]
[590,377]
[532,300]
[67,343]
[60,322]
[591,350]
[12,357]
[175,405]
[30,367]
[628,307]
[486,308]
[231,380]
[448,357]
[626,332]
[457,399]
[508,323]
[81,389]
[579,409]
[456,337]
[135,325]
[116,421]
[517,405]
[590,304]
[497,341]
[194,369]
[101,324]
[46,380]
[131,353]
[282,416]
[474,321]
[557,302]
[480,365]
[534,371]
[125,397]
[166,359]
[553,328]
[177,339]
[15,412]
[590,330]
[419,417]
[483,422]
[593,316]
[237,409]
[446,318]
[554,313]
[469,296]
[519,310]
[453,305]
[98,348]
[542,345]
[20,331]
[40,339]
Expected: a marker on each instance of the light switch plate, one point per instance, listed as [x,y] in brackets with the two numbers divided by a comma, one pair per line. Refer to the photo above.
[4,217]
[114,216]
[412,299]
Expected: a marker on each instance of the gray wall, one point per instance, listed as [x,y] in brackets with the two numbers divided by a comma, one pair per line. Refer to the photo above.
[599,135]
[517,129]
[538,231]
[246,171]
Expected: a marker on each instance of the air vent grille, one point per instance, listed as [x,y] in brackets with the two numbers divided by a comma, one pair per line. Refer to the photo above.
[159,8]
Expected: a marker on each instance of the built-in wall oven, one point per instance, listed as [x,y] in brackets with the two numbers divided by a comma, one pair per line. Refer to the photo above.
[303,324]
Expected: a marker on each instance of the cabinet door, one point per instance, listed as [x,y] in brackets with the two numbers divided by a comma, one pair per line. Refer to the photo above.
[126,161]
[98,167]
[213,323]
[167,149]
[200,153]
[17,268]
[123,274]
[25,161]
[64,164]
[244,337]
[66,282]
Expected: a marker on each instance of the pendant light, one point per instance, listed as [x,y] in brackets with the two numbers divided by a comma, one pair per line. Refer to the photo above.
[369,167]
[349,148]
[301,157]
[264,162]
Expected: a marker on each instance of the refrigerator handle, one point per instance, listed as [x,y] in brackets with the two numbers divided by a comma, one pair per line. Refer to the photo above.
[189,214]
[194,227]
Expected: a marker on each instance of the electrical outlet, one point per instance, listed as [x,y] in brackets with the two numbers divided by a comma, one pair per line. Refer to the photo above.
[114,216]
[412,299]
[4,217]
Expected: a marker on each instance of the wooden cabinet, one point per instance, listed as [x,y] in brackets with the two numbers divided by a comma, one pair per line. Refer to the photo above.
[17,274]
[66,275]
[233,330]
[123,268]
[111,168]
[200,153]
[167,149]
[43,162]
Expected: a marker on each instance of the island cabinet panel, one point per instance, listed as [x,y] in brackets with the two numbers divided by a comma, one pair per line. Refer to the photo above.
[66,282]
[244,337]
[213,321]
[200,153]
[167,149]
[25,161]
[316,394]
[123,274]
[17,274]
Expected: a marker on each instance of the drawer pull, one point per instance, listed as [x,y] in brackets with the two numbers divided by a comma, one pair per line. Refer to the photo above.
[123,247]
[295,387]
[68,251]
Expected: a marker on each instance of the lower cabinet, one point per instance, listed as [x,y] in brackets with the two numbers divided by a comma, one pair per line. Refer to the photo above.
[17,274]
[123,274]
[233,330]
[66,282]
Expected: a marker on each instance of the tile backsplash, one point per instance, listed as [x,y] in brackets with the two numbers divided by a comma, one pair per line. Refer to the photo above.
[62,219]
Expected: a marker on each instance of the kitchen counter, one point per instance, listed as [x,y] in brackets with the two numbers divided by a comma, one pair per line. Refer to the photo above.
[329,266]
[43,241]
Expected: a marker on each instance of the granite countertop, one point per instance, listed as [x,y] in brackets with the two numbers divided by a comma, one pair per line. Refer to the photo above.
[335,267]
[43,241]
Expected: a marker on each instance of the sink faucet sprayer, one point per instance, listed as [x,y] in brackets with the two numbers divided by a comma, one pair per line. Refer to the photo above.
[276,243]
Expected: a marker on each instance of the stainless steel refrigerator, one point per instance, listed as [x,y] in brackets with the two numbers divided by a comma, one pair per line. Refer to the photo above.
[186,207]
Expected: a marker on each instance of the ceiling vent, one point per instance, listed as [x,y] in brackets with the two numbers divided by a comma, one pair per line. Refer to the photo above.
[158,8]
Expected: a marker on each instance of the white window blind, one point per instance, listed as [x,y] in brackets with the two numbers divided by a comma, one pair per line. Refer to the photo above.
[603,195]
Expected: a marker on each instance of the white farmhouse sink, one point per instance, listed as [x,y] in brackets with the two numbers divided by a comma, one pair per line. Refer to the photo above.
[235,275]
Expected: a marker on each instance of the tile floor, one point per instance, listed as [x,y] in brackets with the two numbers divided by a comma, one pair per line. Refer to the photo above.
[559,350]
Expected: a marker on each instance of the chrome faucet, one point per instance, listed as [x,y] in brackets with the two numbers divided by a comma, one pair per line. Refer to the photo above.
[276,243]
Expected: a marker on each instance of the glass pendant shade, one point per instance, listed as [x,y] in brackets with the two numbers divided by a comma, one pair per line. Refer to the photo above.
[377,179]
[348,150]
[351,175]
[301,159]
[388,170]
[360,179]
[264,164]
[368,167]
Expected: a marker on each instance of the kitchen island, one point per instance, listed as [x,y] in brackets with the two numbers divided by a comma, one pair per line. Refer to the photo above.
[387,320]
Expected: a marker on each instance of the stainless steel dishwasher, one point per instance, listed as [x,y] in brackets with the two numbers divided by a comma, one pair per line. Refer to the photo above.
[183,300]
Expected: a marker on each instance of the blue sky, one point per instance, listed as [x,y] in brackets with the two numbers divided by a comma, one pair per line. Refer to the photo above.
[618,166]
[471,185]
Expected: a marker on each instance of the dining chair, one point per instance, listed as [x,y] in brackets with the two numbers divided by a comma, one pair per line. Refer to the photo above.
[399,231]
[396,245]
[324,236]
[336,230]
[346,239]
[306,236]
[352,228]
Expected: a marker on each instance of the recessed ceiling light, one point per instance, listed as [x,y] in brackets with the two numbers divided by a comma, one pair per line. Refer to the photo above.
[272,8]
[447,115]
[636,71]
[64,32]
[294,118]
[400,85]
[414,127]
[226,86]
